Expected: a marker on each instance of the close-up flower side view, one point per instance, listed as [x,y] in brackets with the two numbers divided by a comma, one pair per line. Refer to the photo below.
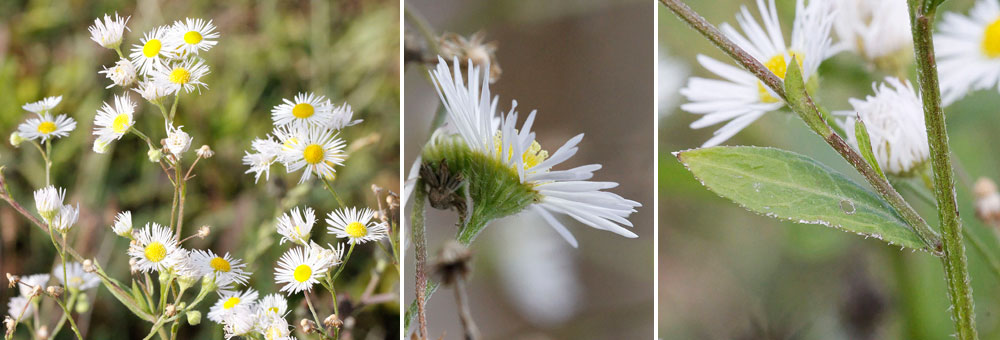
[825,171]
[139,200]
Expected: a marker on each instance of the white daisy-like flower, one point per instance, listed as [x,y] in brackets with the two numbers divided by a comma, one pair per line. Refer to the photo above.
[181,76]
[298,270]
[109,32]
[317,150]
[968,50]
[295,226]
[894,117]
[274,328]
[19,306]
[873,29]
[123,224]
[342,117]
[739,97]
[65,219]
[273,306]
[191,36]
[150,90]
[231,303]
[259,163]
[226,269]
[101,145]
[307,109]
[111,123]
[43,106]
[29,282]
[240,323]
[154,248]
[355,225]
[44,127]
[471,113]
[122,74]
[78,278]
[150,54]
[326,257]
[178,142]
[48,201]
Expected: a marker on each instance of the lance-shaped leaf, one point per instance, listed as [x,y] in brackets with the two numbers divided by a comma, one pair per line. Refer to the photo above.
[789,186]
[865,144]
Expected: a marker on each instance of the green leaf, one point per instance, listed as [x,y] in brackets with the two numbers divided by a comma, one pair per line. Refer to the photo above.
[798,99]
[140,298]
[865,144]
[789,186]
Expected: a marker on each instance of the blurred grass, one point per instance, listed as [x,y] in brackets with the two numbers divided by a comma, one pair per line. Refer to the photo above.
[726,273]
[268,50]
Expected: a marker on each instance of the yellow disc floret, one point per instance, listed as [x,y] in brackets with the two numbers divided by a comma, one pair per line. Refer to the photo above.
[531,157]
[303,110]
[192,37]
[180,76]
[356,229]
[46,127]
[220,264]
[120,124]
[155,252]
[151,48]
[991,40]
[231,302]
[313,154]
[779,66]
[302,273]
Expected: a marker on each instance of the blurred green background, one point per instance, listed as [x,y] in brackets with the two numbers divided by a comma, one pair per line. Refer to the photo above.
[726,273]
[268,50]
[587,67]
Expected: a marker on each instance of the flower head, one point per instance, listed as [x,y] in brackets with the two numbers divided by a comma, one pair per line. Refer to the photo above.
[65,219]
[191,36]
[968,50]
[298,270]
[108,33]
[155,248]
[295,226]
[43,106]
[894,117]
[307,109]
[355,225]
[224,268]
[273,306]
[876,30]
[48,201]
[232,303]
[111,123]
[184,75]
[178,142]
[122,74]
[150,53]
[502,153]
[28,283]
[123,224]
[78,278]
[316,149]
[45,126]
[740,98]
[150,91]
[19,306]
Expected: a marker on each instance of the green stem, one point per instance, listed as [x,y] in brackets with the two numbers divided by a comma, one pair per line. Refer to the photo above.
[69,306]
[955,262]
[343,264]
[72,324]
[315,316]
[48,162]
[329,188]
[420,247]
[173,108]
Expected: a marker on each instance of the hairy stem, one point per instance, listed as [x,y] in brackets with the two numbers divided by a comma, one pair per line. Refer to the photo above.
[955,262]
[420,248]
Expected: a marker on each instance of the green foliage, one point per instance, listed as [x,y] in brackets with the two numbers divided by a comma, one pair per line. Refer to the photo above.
[793,187]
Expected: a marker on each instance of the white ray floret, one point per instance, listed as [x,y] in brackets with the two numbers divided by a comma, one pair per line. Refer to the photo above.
[79,279]
[356,225]
[315,149]
[123,224]
[739,98]
[472,114]
[108,33]
[29,282]
[873,29]
[226,269]
[150,53]
[184,75]
[43,106]
[968,50]
[273,306]
[191,36]
[122,74]
[298,270]
[65,218]
[48,201]
[296,225]
[231,303]
[306,109]
[19,306]
[111,123]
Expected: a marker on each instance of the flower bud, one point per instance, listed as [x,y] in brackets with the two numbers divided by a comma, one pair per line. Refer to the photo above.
[987,201]
[194,317]
[36,291]
[42,333]
[88,266]
[54,291]
[333,321]
[204,231]
[9,324]
[308,326]
[82,304]
[122,74]
[12,280]
[205,152]
[16,139]
[154,155]
[170,310]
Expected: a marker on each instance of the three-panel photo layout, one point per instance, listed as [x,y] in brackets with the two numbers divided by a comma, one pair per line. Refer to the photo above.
[500,169]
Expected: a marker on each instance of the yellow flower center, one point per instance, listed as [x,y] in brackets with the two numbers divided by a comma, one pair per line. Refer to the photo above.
[303,110]
[180,76]
[779,66]
[302,273]
[151,48]
[46,127]
[991,40]
[273,310]
[121,123]
[76,280]
[156,252]
[313,154]
[192,37]
[231,302]
[220,264]
[531,157]
[356,229]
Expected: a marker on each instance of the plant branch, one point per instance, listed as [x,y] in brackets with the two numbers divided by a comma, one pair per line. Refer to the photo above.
[955,262]
[420,248]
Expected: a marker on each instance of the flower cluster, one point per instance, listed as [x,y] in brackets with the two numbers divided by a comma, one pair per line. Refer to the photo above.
[30,287]
[305,136]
